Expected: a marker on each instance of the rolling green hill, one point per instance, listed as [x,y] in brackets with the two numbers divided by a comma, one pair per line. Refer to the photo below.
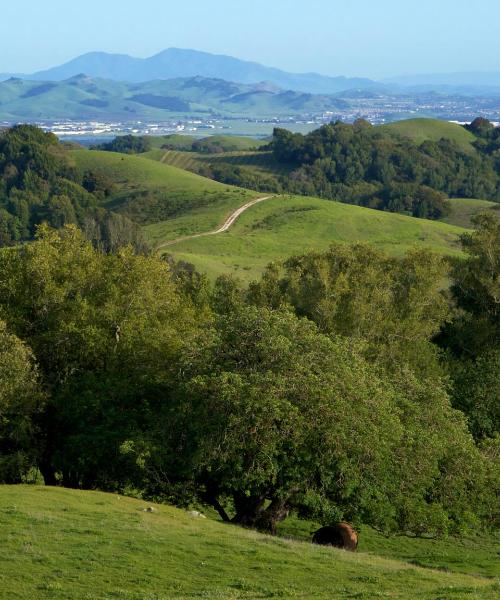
[149,191]
[254,163]
[420,130]
[78,545]
[284,226]
[172,203]
[82,97]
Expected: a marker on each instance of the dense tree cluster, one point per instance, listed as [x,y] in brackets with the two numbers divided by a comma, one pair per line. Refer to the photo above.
[320,389]
[366,165]
[241,176]
[39,183]
[126,144]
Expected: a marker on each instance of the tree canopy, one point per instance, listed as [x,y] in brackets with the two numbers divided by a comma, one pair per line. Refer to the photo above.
[39,183]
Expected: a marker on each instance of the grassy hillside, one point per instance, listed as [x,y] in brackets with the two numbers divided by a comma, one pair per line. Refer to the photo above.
[283,226]
[463,209]
[66,544]
[148,191]
[256,163]
[83,97]
[420,130]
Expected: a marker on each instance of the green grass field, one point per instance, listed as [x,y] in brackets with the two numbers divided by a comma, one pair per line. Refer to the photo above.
[73,545]
[149,191]
[420,130]
[284,226]
[463,209]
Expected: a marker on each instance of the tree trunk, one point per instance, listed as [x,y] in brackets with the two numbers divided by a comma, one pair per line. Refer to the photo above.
[48,473]
[211,498]
[250,512]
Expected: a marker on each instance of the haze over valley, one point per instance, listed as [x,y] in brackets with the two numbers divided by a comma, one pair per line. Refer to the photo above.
[187,90]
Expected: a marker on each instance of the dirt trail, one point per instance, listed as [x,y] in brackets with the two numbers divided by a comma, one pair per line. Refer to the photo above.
[224,227]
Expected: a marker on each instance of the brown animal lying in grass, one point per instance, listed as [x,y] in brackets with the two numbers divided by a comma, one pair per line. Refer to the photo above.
[341,535]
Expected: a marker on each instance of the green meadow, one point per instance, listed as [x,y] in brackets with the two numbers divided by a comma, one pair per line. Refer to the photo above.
[284,226]
[149,191]
[420,130]
[171,203]
[78,545]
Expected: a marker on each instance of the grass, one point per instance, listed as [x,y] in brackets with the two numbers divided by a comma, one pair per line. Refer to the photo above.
[71,545]
[420,130]
[474,555]
[256,162]
[284,226]
[463,209]
[148,191]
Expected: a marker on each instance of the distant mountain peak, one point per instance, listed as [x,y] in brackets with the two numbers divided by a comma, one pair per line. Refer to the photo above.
[173,63]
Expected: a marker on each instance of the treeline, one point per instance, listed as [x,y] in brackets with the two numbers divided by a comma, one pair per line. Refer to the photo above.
[365,165]
[126,144]
[39,183]
[488,138]
[368,166]
[131,144]
[341,385]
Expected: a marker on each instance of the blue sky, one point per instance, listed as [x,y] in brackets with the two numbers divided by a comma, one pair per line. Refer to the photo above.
[374,38]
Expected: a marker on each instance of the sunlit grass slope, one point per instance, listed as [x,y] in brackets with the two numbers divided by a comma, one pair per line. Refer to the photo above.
[284,226]
[61,544]
[420,130]
[145,188]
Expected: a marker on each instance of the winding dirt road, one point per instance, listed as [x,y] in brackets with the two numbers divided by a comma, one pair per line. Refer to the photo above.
[224,227]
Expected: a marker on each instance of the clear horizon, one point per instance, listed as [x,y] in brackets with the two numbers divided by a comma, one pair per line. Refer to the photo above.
[376,40]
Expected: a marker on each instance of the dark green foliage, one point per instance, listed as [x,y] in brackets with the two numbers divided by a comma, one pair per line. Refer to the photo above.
[105,330]
[473,336]
[126,144]
[273,415]
[371,167]
[39,183]
[21,401]
[241,176]
[476,392]
[481,127]
[394,305]
[190,283]
[98,183]
[476,290]
[152,205]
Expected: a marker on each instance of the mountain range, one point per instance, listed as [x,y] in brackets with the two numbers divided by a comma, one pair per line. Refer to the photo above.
[87,98]
[177,63]
[180,63]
